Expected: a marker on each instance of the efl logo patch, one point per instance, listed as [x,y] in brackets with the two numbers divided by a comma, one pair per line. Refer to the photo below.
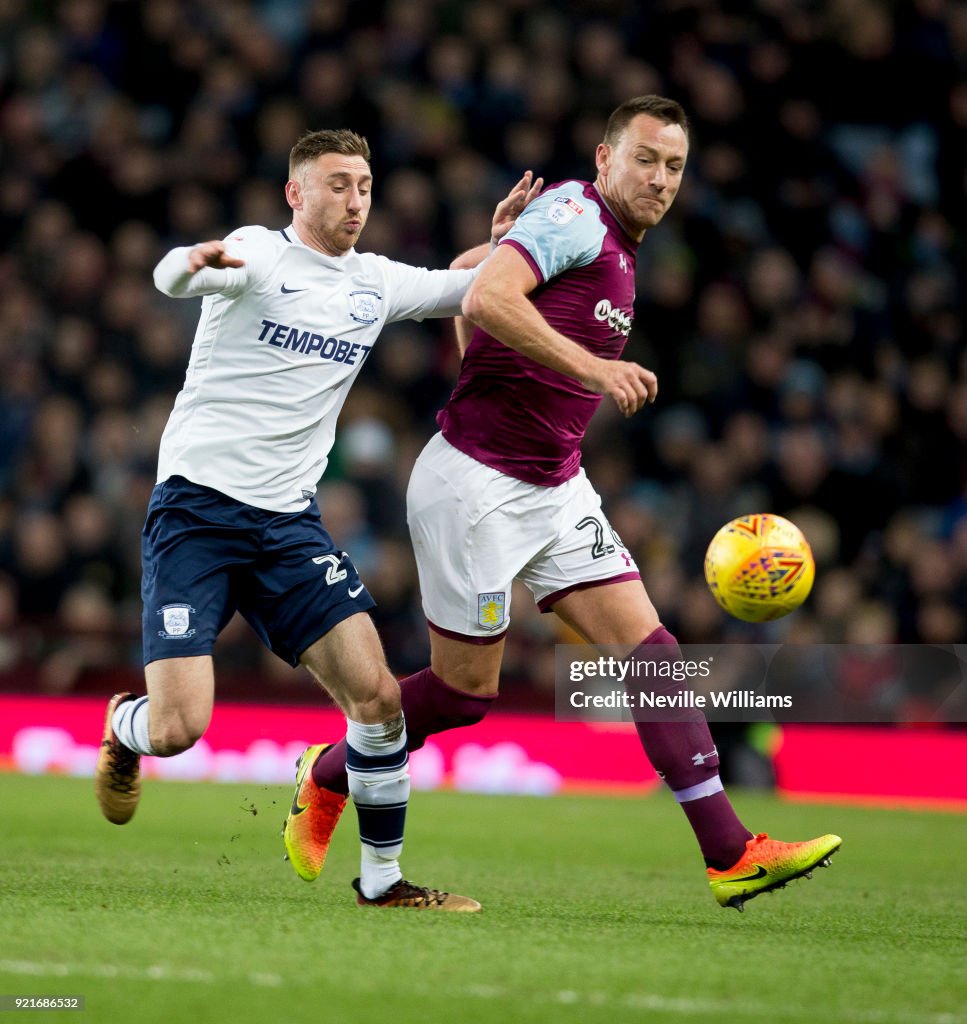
[176,619]
[490,610]
[364,306]
[564,209]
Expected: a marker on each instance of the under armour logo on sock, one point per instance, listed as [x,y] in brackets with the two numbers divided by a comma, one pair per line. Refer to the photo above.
[702,758]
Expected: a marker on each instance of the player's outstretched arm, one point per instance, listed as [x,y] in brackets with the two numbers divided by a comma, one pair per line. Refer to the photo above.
[181,274]
[498,302]
[211,254]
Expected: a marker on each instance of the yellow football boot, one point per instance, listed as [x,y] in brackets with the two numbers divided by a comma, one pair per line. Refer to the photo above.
[312,818]
[768,864]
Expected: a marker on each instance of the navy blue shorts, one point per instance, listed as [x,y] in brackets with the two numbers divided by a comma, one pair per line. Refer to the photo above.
[205,556]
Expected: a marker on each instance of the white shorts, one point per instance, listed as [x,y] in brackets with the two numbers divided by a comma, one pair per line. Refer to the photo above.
[475,530]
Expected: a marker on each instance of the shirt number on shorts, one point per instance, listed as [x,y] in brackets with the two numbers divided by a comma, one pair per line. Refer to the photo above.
[600,548]
[333,573]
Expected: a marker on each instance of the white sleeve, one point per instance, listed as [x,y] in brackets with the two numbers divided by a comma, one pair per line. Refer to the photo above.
[561,229]
[172,277]
[417,293]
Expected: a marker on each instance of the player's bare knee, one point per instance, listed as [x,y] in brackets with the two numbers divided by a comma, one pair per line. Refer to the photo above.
[174,736]
[379,701]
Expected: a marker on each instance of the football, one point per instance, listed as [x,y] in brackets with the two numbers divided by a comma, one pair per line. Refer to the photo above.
[759,567]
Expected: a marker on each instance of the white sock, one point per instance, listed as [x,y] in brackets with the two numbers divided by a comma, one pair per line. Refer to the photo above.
[130,725]
[376,763]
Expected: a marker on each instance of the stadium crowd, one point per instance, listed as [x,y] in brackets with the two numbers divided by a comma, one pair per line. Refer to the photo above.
[802,303]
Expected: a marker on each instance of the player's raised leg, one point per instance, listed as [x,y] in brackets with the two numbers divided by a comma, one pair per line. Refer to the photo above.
[188,567]
[170,719]
[349,662]
[684,755]
[682,752]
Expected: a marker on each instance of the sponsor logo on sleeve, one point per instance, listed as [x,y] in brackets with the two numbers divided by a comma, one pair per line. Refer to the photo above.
[564,209]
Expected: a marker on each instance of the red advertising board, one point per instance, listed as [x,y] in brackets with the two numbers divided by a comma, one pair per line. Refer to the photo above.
[506,753]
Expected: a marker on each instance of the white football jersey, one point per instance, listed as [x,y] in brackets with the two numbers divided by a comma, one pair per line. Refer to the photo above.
[278,344]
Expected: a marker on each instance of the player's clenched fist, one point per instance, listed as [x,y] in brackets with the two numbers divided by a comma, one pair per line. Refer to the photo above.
[629,384]
[211,254]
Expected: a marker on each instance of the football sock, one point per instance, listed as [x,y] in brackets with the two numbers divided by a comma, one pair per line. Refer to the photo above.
[684,755]
[130,725]
[721,836]
[429,704]
[376,761]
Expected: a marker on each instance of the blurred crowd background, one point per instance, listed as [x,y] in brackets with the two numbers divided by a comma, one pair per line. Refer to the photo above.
[802,303]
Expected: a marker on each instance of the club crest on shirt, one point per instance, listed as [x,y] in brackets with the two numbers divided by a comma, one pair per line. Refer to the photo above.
[564,209]
[364,306]
[490,610]
[176,619]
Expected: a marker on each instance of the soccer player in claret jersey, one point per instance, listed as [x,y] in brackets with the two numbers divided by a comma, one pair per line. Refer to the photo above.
[499,494]
[287,320]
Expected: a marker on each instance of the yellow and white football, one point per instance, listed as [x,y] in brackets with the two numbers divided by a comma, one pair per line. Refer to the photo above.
[759,567]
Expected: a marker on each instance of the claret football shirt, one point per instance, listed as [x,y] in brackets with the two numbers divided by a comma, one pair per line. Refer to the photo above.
[512,413]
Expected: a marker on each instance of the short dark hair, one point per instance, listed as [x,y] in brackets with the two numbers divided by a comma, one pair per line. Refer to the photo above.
[327,140]
[659,107]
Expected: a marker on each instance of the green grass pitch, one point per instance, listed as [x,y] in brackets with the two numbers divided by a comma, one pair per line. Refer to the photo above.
[596,910]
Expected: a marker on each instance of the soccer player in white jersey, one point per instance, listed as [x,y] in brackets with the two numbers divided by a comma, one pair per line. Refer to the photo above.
[499,494]
[288,317]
